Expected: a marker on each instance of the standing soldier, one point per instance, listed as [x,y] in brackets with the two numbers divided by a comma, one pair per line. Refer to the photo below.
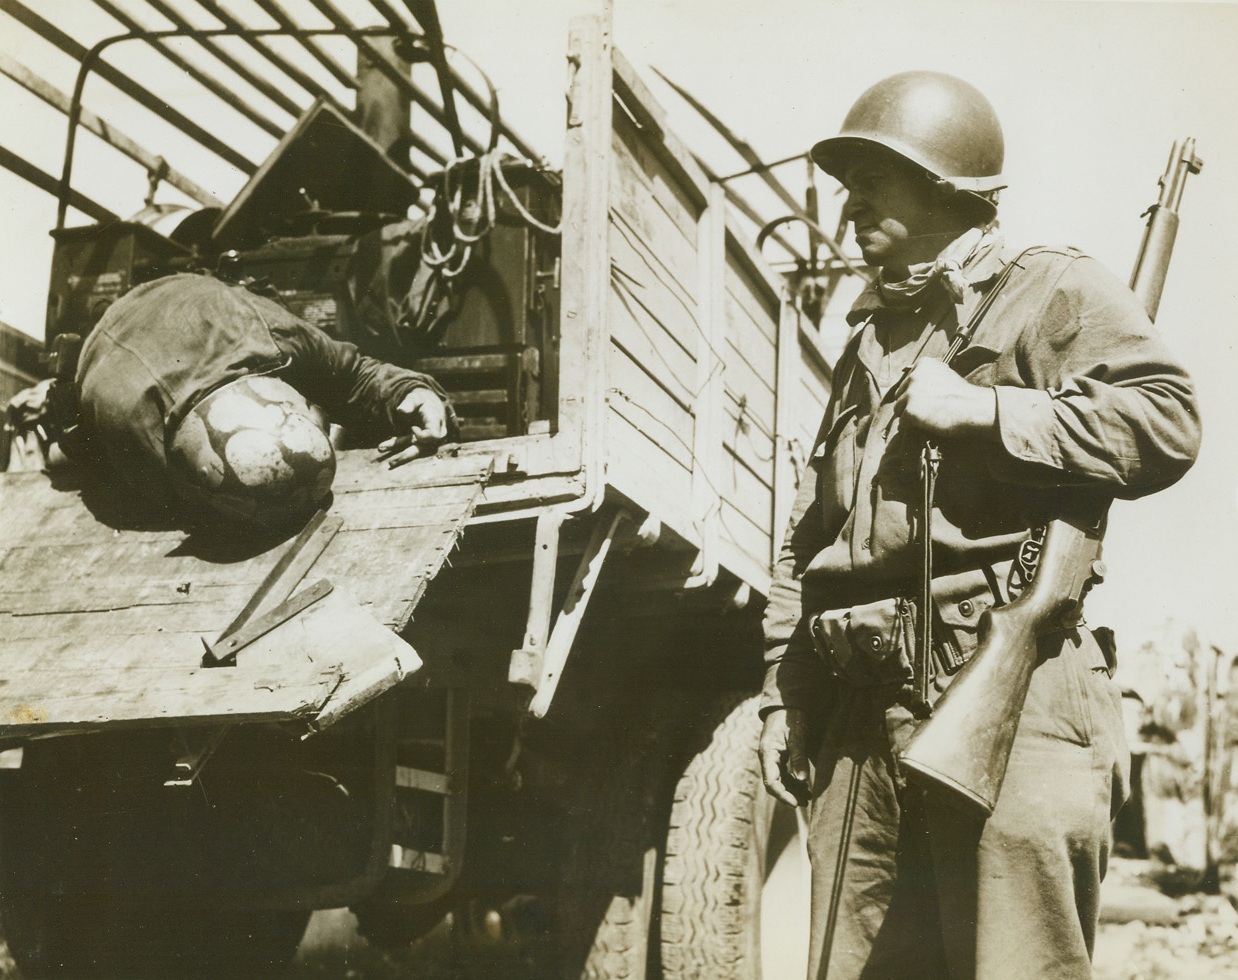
[1063,398]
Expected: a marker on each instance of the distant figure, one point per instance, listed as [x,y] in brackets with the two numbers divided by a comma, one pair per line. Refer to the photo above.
[1062,398]
[206,396]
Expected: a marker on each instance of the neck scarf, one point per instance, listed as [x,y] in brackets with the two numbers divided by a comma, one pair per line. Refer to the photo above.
[947,269]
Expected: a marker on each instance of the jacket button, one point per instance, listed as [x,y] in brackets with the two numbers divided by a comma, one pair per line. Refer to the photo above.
[866,543]
[874,643]
[816,627]
[966,608]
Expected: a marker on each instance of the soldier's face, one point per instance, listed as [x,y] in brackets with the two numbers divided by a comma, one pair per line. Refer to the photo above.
[898,215]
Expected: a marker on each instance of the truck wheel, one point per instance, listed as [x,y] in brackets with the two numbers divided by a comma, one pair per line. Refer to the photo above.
[730,848]
[613,843]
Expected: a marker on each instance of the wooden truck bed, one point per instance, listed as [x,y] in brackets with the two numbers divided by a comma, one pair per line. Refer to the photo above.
[103,624]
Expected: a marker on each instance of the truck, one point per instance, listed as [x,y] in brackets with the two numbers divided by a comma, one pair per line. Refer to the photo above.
[515,678]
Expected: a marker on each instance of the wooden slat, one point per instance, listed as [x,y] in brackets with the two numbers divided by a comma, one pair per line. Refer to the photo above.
[637,395]
[646,111]
[55,700]
[651,205]
[643,338]
[651,478]
[333,652]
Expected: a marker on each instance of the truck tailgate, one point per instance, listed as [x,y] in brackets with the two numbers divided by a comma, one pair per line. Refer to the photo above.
[103,624]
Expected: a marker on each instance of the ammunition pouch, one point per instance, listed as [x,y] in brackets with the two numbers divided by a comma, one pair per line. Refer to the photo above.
[868,644]
[874,643]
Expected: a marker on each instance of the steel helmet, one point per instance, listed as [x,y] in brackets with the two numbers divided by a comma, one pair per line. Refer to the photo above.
[253,451]
[937,121]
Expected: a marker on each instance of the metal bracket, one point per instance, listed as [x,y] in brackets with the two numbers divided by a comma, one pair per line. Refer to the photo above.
[563,635]
[526,663]
[223,652]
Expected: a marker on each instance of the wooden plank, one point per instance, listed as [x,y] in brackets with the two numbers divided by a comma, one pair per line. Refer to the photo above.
[650,478]
[54,700]
[649,114]
[332,650]
[751,296]
[739,528]
[158,594]
[646,343]
[639,397]
[585,262]
[707,451]
[742,253]
[651,205]
[751,448]
[641,291]
[748,385]
[63,597]
[177,649]
[788,424]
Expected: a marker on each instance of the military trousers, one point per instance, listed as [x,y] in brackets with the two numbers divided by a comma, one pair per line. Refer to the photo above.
[928,890]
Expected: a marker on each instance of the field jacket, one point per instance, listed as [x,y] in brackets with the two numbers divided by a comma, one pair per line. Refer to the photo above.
[1090,407]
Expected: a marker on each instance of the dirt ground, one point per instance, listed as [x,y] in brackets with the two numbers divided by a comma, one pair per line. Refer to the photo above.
[1190,937]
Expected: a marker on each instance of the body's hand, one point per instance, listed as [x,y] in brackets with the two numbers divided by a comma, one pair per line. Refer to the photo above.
[424,414]
[783,755]
[933,398]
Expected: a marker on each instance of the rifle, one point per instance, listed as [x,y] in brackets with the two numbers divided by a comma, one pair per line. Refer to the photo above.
[965,745]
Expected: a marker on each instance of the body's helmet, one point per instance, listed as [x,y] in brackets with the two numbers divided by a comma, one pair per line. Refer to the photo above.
[253,451]
[940,123]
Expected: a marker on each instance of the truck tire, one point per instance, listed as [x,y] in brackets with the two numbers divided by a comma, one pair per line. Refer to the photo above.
[725,837]
[613,849]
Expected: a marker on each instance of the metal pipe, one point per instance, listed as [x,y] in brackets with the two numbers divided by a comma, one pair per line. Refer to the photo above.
[305,81]
[328,63]
[480,102]
[272,92]
[46,182]
[251,38]
[219,91]
[106,132]
[406,85]
[128,86]
[427,16]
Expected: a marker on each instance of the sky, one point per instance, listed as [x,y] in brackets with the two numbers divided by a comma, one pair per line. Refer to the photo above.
[1091,96]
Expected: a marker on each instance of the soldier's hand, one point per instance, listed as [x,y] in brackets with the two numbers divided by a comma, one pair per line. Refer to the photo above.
[424,414]
[934,398]
[784,758]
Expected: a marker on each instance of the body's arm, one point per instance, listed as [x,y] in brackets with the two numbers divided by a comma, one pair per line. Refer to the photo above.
[405,411]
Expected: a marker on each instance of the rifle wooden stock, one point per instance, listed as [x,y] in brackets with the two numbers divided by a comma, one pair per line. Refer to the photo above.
[966,744]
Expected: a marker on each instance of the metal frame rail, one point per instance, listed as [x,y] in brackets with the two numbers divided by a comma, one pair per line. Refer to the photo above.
[271,82]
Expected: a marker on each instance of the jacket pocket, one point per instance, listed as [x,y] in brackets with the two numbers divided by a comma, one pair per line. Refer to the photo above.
[960,600]
[835,457]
